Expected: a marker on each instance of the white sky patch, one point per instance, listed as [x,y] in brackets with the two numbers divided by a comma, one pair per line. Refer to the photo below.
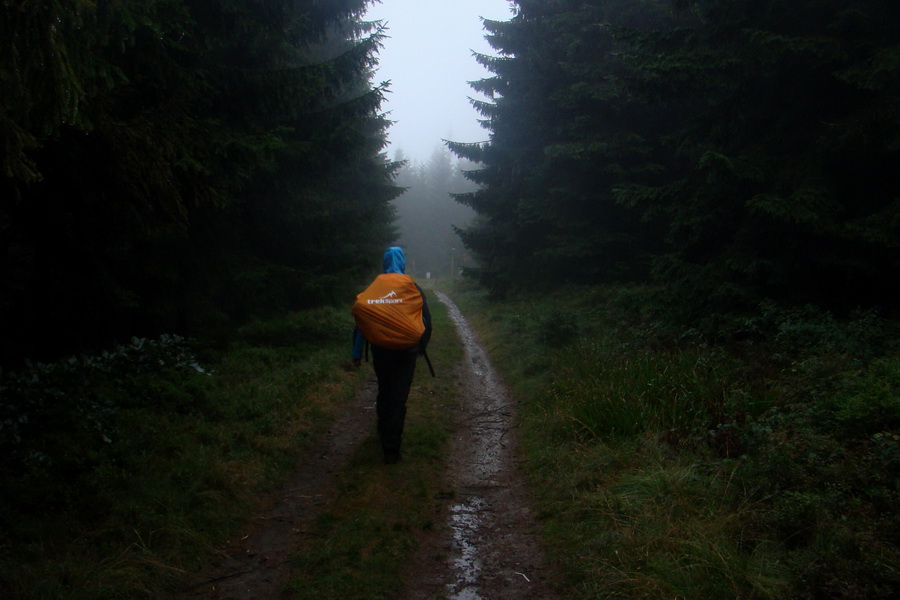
[428,59]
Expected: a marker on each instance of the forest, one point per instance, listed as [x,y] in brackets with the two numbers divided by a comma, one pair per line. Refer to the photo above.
[728,151]
[180,166]
[704,189]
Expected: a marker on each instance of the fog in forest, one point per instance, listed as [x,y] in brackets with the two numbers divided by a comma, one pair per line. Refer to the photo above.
[427,58]
[427,215]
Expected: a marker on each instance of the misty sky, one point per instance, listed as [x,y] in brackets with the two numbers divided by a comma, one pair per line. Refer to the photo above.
[428,60]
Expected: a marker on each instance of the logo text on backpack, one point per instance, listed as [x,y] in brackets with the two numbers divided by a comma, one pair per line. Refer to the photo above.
[388,299]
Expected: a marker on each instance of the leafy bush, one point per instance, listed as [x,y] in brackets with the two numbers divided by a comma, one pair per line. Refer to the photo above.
[296,329]
[556,329]
[79,396]
[867,402]
[123,465]
[811,330]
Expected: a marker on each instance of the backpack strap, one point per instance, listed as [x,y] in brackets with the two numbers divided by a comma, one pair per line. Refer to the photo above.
[428,360]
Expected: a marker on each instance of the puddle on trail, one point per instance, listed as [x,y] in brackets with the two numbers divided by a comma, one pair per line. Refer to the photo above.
[489,420]
[465,523]
[490,416]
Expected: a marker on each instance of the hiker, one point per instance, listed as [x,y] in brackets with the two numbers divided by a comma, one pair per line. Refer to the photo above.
[395,365]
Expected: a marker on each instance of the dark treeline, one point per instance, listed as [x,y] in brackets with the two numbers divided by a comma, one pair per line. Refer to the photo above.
[182,165]
[427,216]
[729,151]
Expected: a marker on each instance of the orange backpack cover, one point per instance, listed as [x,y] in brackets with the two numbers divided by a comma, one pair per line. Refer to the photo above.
[389,312]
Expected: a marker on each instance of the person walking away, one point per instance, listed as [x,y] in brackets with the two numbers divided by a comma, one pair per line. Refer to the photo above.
[393,316]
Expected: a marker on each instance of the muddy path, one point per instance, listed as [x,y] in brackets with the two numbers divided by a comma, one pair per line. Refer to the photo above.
[489,549]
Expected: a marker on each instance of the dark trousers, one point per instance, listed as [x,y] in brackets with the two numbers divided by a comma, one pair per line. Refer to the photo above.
[394,369]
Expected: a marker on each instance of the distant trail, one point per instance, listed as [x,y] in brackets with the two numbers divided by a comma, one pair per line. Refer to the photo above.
[494,550]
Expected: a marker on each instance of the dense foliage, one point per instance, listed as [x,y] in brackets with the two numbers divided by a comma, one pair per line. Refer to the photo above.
[181,165]
[123,470]
[732,151]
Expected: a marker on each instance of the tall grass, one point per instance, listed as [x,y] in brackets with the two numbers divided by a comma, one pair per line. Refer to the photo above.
[668,467]
[636,391]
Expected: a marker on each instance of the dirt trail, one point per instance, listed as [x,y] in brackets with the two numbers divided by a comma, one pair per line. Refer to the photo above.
[490,549]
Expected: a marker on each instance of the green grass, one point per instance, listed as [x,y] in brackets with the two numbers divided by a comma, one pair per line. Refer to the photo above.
[124,478]
[131,468]
[663,467]
[667,467]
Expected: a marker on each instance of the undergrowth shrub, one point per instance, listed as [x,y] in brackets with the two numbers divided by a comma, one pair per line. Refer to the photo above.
[294,330]
[77,398]
[120,465]
[62,435]
[866,402]
[813,331]
[556,329]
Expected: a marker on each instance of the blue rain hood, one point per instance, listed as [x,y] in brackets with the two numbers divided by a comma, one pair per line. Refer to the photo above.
[394,260]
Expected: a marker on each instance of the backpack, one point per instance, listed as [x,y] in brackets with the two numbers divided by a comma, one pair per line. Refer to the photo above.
[389,312]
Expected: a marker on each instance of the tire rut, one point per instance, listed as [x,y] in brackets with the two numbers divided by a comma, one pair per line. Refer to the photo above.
[491,549]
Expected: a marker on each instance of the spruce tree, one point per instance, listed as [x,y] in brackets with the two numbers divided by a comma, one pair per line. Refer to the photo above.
[777,180]
[178,161]
[738,150]
[564,137]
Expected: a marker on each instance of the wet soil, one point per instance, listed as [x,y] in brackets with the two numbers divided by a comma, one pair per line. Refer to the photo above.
[489,549]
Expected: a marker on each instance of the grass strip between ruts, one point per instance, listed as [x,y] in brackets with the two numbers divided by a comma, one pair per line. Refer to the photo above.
[364,536]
